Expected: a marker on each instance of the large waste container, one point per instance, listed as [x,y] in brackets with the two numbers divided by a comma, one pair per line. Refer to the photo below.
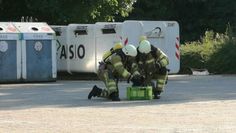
[61,39]
[106,36]
[80,48]
[10,53]
[38,52]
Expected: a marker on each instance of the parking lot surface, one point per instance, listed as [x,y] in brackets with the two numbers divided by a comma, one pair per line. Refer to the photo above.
[189,104]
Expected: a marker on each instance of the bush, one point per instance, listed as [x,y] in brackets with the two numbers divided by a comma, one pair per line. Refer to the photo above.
[215,52]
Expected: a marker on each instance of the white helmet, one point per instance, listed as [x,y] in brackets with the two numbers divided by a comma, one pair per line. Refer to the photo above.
[144,47]
[130,50]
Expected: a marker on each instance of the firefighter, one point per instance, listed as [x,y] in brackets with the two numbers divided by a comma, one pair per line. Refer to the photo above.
[152,64]
[120,64]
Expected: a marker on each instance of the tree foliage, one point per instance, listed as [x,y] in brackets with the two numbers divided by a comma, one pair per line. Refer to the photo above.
[194,16]
[65,11]
[215,51]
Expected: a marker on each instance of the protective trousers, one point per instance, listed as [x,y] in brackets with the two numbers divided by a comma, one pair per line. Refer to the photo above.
[160,76]
[109,80]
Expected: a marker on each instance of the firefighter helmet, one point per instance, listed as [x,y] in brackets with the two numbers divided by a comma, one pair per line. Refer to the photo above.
[118,45]
[141,38]
[144,47]
[130,50]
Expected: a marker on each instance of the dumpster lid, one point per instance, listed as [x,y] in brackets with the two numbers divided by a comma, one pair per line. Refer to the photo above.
[81,29]
[8,27]
[31,27]
[107,25]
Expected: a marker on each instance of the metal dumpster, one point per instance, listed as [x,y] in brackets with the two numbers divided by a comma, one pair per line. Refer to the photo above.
[38,52]
[10,53]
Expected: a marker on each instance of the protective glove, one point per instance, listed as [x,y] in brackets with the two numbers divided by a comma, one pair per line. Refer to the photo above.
[129,79]
[102,65]
[158,65]
[137,80]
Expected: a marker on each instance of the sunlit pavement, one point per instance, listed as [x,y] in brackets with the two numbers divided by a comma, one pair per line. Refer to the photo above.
[189,104]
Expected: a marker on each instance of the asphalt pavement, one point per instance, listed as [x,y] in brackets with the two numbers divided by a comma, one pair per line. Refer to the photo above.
[67,93]
[189,104]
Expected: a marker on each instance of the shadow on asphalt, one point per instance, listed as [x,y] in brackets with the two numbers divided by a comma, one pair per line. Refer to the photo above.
[67,94]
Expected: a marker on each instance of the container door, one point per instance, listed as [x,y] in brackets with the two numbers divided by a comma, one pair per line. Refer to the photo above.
[81,48]
[8,60]
[173,41]
[38,51]
[61,47]
[131,31]
[155,33]
[107,34]
[39,60]
[10,53]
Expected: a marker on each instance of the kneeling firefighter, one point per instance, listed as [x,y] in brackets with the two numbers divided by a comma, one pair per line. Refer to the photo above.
[152,64]
[119,64]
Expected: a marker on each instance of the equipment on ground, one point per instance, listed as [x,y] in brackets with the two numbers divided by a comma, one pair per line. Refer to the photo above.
[139,93]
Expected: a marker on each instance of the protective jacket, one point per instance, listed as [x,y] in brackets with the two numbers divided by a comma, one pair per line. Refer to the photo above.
[153,66]
[116,65]
[153,61]
[121,65]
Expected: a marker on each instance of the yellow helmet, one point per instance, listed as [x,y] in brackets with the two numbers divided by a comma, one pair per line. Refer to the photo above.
[141,38]
[118,45]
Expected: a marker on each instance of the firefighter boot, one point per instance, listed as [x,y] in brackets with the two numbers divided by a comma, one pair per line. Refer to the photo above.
[95,92]
[157,94]
[115,96]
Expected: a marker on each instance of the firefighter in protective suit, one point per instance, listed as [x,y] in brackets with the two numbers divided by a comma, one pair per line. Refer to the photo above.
[152,64]
[120,64]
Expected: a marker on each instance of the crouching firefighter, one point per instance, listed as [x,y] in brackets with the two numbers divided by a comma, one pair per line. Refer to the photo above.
[152,64]
[120,64]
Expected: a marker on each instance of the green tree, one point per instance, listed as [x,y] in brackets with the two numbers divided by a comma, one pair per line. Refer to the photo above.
[65,11]
[194,16]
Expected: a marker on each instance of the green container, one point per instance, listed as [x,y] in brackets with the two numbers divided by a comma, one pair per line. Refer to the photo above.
[139,93]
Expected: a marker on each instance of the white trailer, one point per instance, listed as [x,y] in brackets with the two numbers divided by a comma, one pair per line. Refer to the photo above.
[81,46]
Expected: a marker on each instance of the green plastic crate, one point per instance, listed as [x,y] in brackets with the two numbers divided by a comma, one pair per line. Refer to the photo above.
[139,93]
